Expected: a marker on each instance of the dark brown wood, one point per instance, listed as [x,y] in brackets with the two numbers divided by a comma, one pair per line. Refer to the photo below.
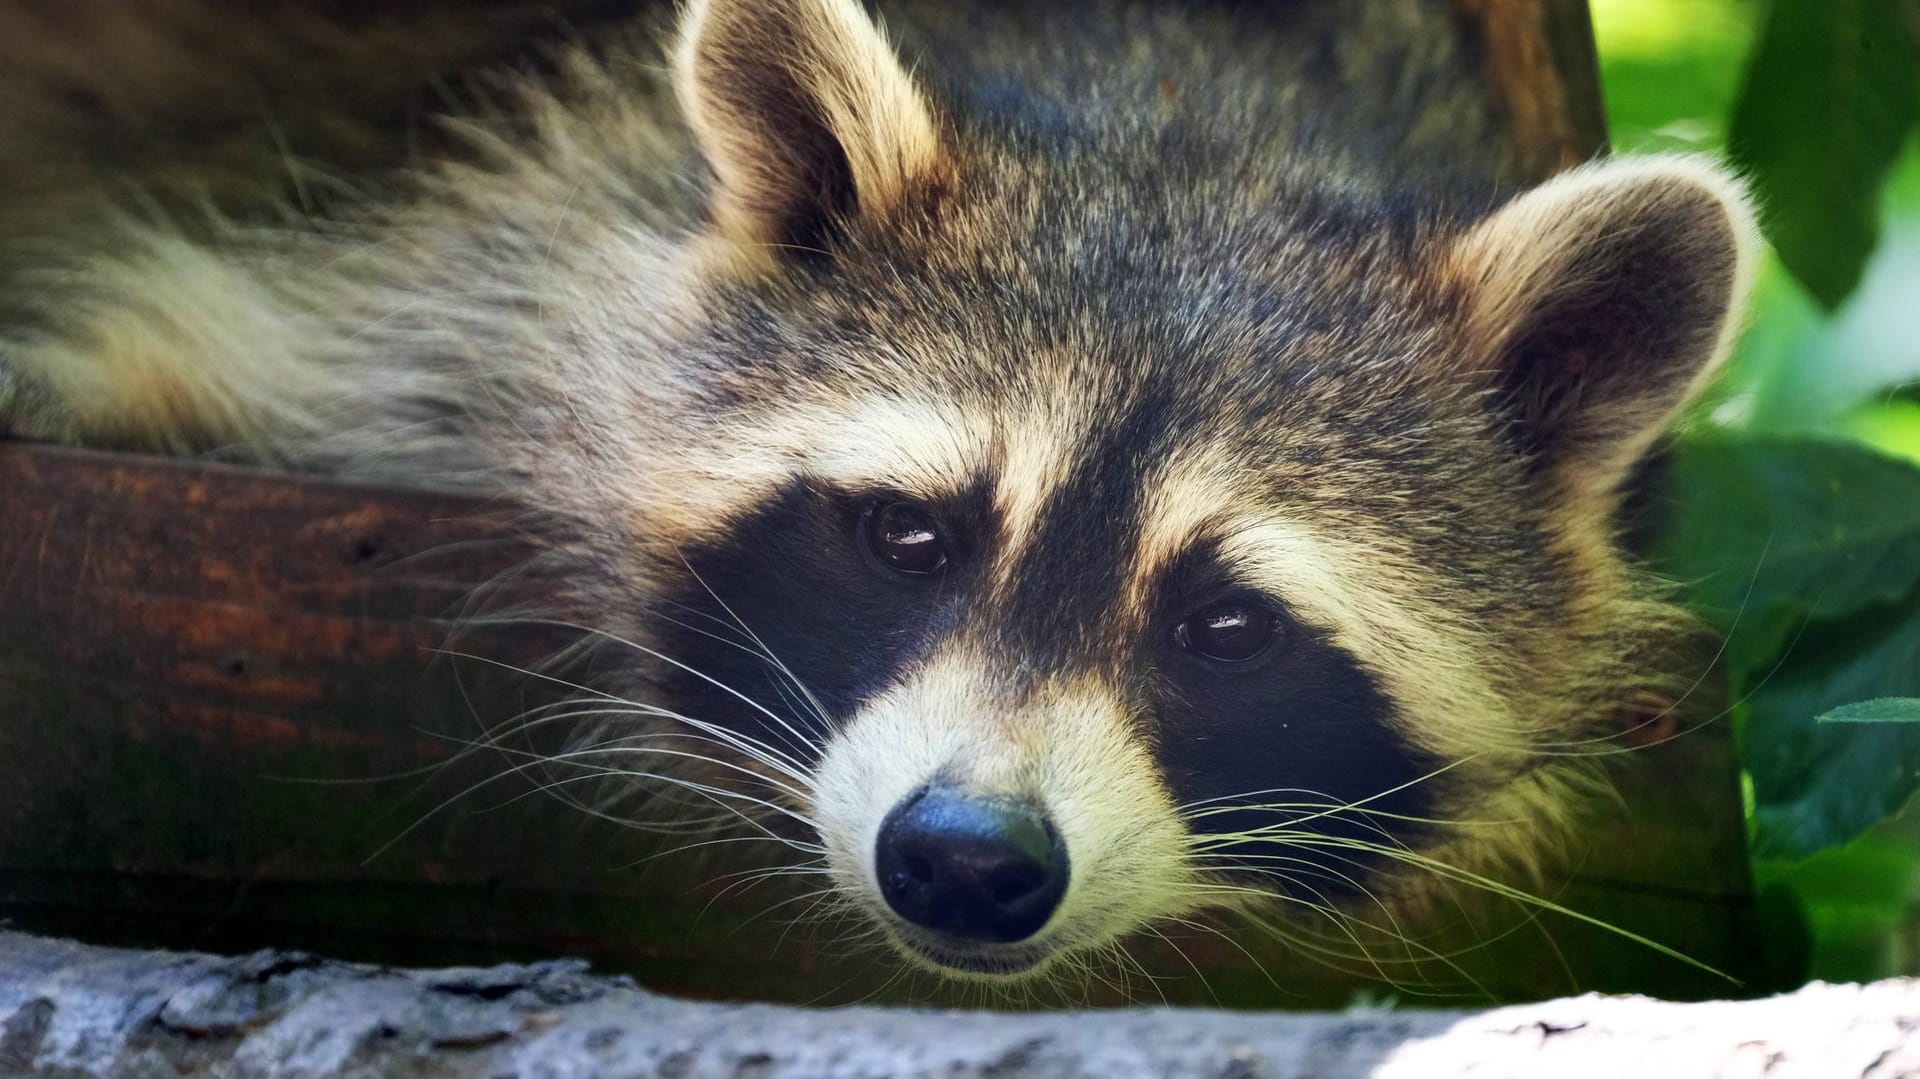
[1542,72]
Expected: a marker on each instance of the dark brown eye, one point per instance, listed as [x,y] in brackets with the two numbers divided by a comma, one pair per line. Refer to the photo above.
[905,538]
[1237,630]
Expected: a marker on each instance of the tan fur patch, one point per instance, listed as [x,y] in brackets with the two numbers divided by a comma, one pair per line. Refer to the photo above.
[753,77]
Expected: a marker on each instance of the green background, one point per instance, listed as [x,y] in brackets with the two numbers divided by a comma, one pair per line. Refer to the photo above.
[1798,528]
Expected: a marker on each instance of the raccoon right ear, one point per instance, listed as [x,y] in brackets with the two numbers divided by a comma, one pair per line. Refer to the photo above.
[805,116]
[1597,304]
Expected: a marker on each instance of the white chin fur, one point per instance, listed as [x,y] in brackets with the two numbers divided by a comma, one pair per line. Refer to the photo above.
[1066,747]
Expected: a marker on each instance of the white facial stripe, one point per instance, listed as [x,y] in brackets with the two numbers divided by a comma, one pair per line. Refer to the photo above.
[921,448]
[918,448]
[1183,502]
[1035,458]
[1068,747]
[931,450]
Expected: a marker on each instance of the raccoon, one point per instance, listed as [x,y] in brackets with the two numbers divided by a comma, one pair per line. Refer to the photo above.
[1077,465]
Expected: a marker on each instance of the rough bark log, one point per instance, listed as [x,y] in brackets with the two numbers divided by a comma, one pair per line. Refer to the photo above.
[74,1011]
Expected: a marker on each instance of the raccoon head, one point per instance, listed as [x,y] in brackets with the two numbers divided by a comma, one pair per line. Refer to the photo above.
[1098,523]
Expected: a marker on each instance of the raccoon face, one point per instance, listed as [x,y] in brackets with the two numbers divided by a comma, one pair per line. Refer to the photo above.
[1099,535]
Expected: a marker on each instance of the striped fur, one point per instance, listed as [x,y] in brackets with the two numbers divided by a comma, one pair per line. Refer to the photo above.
[1150,303]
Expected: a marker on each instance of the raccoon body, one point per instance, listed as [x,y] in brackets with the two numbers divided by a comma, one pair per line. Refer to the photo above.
[1087,464]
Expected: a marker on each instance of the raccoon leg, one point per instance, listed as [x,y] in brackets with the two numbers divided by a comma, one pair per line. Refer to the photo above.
[157,342]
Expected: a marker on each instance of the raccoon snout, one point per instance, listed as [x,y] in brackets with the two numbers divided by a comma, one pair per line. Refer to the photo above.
[979,869]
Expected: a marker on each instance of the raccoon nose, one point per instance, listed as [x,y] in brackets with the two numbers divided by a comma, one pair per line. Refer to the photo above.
[980,869]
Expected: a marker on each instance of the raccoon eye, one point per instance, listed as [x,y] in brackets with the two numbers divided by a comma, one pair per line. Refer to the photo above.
[1237,631]
[905,538]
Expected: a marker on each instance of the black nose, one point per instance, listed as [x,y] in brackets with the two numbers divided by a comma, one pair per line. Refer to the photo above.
[980,869]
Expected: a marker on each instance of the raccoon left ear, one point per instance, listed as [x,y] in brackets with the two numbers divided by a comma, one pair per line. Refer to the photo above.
[1598,303]
[804,114]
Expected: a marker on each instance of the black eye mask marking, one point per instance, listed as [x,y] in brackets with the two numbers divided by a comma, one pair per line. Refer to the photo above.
[1301,739]
[1256,754]
[795,573]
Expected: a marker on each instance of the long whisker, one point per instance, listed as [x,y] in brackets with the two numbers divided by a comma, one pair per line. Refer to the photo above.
[1311,946]
[1186,810]
[782,686]
[819,709]
[1314,946]
[611,699]
[622,744]
[707,734]
[602,771]
[1200,926]
[1188,960]
[642,649]
[718,795]
[1506,891]
[1726,640]
[1779,663]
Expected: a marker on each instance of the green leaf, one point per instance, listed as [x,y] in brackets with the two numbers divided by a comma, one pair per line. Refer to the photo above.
[1892,427]
[1769,532]
[1817,785]
[1807,553]
[1831,92]
[1879,710]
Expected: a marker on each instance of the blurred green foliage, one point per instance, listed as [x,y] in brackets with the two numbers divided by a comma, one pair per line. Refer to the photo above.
[1798,529]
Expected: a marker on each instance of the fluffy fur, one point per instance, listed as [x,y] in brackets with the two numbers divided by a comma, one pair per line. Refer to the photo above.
[1147,299]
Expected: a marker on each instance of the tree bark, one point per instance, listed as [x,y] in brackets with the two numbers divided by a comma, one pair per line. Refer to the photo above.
[74,1011]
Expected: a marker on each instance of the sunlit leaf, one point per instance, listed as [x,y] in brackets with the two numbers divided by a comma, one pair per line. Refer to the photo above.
[1878,710]
[1807,552]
